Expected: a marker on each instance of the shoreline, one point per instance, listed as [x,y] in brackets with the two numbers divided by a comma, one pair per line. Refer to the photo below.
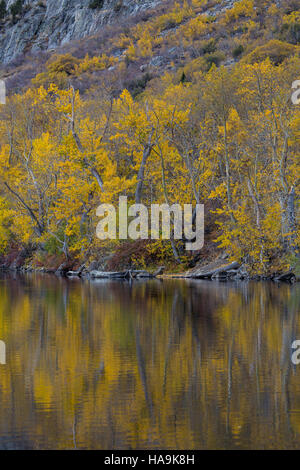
[218,267]
[287,278]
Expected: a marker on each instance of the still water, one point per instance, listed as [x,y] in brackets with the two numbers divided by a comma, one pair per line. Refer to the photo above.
[157,364]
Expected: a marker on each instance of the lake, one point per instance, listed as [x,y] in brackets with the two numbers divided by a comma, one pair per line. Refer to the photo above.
[170,364]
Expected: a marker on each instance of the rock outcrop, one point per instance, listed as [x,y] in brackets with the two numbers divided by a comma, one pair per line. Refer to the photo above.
[46,24]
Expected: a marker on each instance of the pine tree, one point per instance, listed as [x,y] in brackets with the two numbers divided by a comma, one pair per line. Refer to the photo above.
[16,9]
[96,4]
[2,9]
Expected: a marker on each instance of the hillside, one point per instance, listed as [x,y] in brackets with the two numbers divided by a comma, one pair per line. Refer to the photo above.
[189,100]
[171,35]
[40,25]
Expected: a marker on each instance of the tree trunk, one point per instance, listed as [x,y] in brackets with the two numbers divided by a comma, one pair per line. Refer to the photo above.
[291,216]
[141,173]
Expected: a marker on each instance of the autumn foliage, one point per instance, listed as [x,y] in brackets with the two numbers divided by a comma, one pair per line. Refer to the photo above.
[226,135]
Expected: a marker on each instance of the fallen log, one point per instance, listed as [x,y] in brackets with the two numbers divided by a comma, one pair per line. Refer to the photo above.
[159,271]
[225,275]
[219,272]
[286,277]
[77,273]
[129,274]
[108,275]
[73,274]
[144,274]
[62,270]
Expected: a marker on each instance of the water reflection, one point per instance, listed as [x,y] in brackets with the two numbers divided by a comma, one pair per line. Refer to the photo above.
[154,364]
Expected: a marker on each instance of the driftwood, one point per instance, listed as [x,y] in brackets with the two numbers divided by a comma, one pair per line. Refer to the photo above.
[62,269]
[129,274]
[159,271]
[286,277]
[77,273]
[107,275]
[219,273]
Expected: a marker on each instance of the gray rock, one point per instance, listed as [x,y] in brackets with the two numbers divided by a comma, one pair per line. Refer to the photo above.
[62,269]
[118,53]
[94,266]
[175,52]
[51,23]
[158,61]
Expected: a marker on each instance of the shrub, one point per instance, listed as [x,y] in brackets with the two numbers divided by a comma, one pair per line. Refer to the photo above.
[290,30]
[183,78]
[276,50]
[118,6]
[208,47]
[2,9]
[96,4]
[62,63]
[214,59]
[290,6]
[237,51]
[127,254]
[138,86]
[58,70]
[241,9]
[16,9]
[290,33]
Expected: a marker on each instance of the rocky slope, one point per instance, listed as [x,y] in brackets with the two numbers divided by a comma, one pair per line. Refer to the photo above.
[44,25]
